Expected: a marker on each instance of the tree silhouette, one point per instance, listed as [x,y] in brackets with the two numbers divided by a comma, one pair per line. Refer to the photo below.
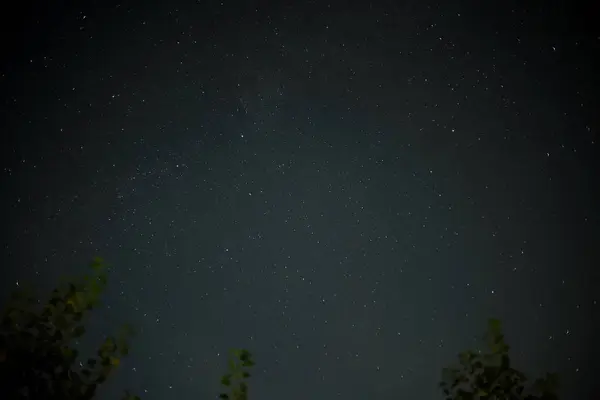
[38,362]
[239,362]
[489,376]
[36,357]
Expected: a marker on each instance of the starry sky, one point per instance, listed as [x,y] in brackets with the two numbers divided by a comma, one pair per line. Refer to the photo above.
[347,190]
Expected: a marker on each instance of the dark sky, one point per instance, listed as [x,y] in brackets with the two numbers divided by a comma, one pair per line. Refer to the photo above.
[349,192]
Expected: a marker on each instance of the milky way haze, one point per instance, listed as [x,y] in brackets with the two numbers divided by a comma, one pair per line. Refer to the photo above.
[348,192]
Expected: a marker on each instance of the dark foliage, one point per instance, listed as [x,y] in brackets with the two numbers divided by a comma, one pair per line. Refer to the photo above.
[490,376]
[38,362]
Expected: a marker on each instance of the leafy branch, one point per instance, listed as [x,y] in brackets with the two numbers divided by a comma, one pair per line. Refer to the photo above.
[489,376]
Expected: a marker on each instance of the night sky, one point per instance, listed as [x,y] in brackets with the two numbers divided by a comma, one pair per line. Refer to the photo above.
[349,192]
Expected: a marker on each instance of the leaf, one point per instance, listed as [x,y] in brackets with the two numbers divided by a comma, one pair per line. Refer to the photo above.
[129,396]
[464,395]
[244,355]
[248,363]
[226,380]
